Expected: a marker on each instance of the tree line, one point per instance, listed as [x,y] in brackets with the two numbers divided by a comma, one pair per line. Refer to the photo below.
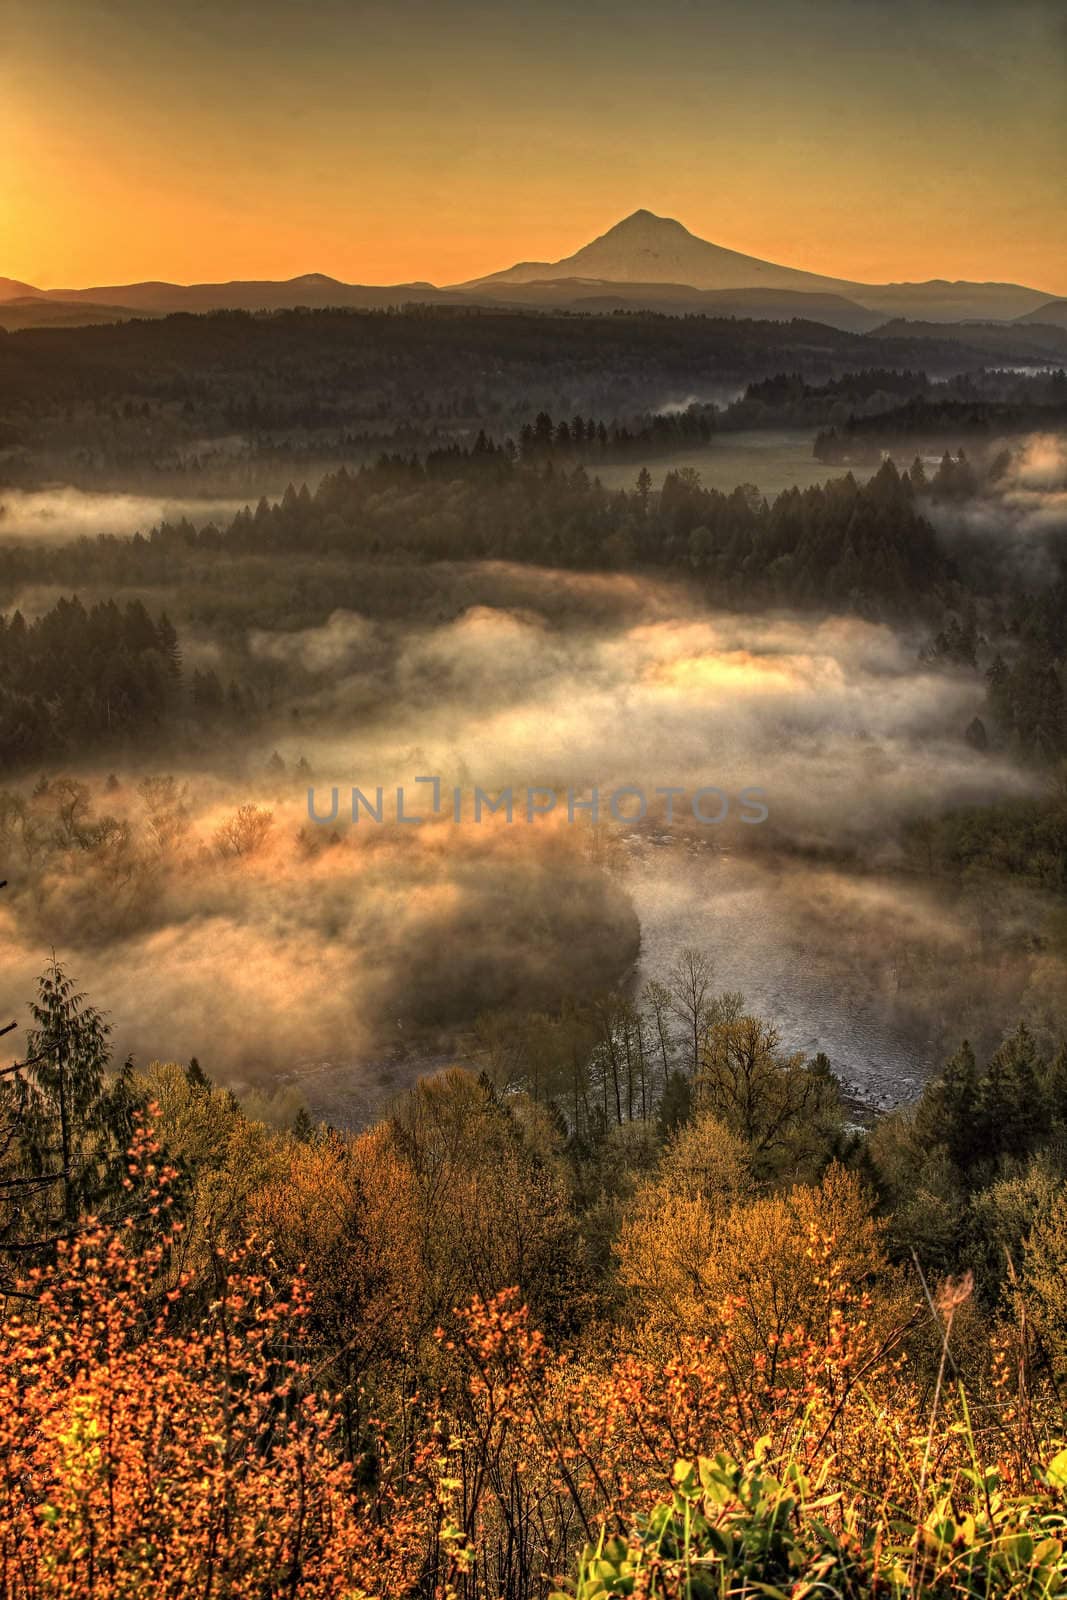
[865,547]
[73,677]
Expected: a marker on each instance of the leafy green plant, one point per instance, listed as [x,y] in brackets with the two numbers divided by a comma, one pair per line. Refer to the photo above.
[732,1529]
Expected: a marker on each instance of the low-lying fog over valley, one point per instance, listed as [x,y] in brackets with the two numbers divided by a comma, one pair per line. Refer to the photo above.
[794,702]
[338,938]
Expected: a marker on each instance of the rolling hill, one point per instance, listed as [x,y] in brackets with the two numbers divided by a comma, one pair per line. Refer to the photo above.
[1053,313]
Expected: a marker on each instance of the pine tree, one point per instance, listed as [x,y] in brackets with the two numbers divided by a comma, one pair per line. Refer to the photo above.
[1011,1104]
[998,693]
[948,1112]
[169,647]
[207,691]
[1054,1087]
[644,489]
[195,1076]
[543,433]
[75,1123]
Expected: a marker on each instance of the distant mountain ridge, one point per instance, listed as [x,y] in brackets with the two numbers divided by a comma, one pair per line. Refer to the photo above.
[643,262]
[266,294]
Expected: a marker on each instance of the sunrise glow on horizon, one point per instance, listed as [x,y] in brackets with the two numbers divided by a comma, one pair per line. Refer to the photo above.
[415,142]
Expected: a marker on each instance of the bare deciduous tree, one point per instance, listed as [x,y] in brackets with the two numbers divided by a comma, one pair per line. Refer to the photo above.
[689,982]
[245,832]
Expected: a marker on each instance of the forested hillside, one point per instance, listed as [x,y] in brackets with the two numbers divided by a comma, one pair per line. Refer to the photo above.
[655,1320]
[110,406]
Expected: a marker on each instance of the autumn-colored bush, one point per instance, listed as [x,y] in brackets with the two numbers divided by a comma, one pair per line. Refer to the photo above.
[892,1458]
[150,1447]
[232,1386]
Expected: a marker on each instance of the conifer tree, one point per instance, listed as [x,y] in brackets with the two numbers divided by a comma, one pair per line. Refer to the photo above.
[1011,1104]
[75,1123]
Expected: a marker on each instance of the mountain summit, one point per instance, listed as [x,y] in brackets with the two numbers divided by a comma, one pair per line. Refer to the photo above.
[645,248]
[648,249]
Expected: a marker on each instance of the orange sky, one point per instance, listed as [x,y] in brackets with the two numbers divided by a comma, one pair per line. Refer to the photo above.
[384,143]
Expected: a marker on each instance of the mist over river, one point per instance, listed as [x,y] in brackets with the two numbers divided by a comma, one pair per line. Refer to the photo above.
[338,964]
[744,916]
[810,948]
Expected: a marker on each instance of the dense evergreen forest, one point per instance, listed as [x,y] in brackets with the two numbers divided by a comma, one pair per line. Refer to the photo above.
[113,405]
[865,438]
[906,404]
[870,549]
[824,545]
[72,677]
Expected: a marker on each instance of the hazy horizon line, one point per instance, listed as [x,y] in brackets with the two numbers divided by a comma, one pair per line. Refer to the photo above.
[530,261]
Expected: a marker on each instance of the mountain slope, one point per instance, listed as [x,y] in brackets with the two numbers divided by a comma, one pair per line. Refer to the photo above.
[1053,313]
[644,248]
[38,311]
[11,289]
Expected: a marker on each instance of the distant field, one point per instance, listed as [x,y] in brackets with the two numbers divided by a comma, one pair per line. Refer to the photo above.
[772,460]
